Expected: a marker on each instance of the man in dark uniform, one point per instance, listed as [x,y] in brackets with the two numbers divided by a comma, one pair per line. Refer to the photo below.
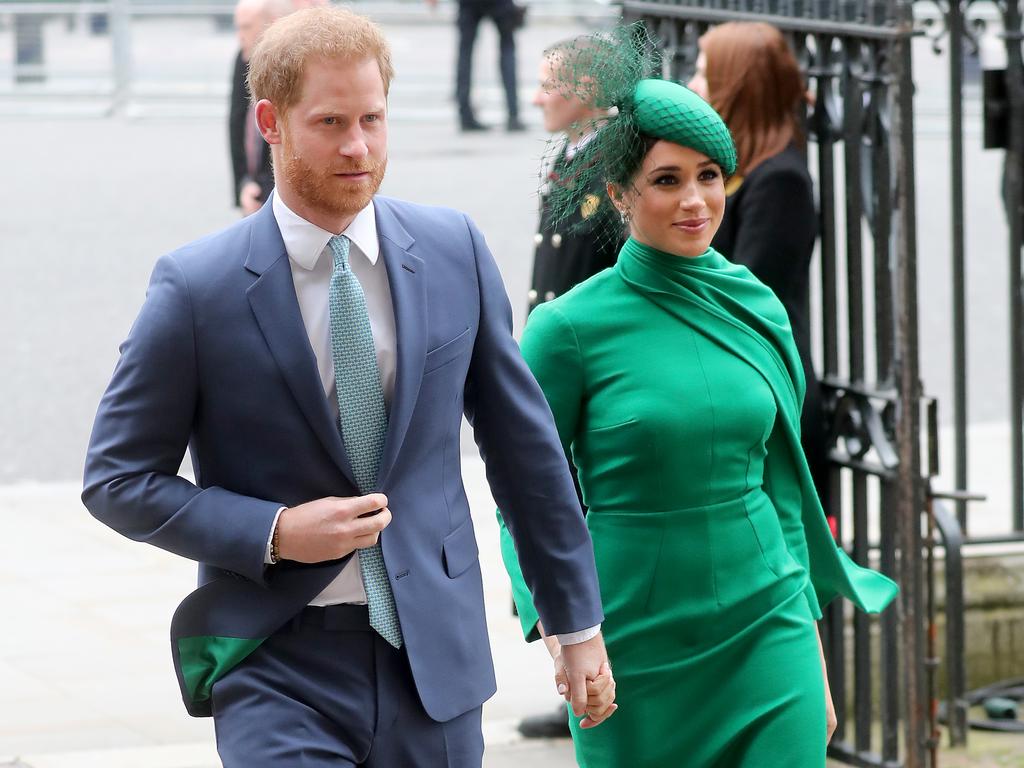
[572,248]
[582,244]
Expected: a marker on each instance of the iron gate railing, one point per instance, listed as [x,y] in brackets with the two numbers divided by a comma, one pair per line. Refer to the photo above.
[857,57]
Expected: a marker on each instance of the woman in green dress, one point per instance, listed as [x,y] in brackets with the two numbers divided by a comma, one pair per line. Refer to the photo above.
[675,383]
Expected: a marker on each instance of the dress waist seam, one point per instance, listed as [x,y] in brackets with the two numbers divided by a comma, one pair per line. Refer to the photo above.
[751,497]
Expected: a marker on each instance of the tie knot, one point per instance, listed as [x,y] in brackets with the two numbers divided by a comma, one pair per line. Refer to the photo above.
[339,247]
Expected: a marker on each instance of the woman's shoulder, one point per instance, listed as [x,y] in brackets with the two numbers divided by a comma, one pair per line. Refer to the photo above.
[581,296]
[582,303]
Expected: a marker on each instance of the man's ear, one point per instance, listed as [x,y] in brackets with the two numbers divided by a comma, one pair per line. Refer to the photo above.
[269,121]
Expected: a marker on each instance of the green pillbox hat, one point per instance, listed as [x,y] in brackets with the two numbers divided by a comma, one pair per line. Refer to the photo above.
[667,110]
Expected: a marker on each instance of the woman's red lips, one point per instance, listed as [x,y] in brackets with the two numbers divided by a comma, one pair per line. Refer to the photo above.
[691,225]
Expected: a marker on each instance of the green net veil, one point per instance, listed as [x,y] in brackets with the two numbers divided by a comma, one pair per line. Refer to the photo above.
[611,70]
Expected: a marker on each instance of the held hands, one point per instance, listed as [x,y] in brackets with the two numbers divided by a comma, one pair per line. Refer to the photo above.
[583,677]
[329,528]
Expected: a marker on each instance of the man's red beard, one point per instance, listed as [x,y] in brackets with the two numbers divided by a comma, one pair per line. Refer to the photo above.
[321,190]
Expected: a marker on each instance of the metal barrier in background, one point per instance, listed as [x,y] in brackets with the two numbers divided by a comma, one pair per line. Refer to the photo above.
[857,58]
[112,18]
[118,22]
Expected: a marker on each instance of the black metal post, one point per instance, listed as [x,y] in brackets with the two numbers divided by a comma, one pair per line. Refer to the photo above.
[910,494]
[958,288]
[956,672]
[1015,218]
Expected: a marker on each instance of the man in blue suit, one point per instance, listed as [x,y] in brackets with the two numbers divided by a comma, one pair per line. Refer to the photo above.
[317,359]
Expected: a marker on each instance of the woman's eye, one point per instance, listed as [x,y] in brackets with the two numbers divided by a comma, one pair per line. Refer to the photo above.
[665,180]
[708,175]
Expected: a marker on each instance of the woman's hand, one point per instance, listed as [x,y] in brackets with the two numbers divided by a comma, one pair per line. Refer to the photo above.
[831,721]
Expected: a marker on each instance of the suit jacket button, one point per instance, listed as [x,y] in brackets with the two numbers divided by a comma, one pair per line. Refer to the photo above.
[549,296]
[556,240]
[538,239]
[532,296]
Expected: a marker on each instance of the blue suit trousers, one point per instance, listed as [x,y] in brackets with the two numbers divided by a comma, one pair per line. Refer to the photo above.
[326,690]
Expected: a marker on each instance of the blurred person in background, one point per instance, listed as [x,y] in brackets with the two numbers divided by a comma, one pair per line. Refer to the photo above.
[748,73]
[570,248]
[573,247]
[507,16]
[250,155]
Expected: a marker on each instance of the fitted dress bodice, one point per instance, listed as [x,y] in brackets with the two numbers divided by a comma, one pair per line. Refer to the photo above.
[697,434]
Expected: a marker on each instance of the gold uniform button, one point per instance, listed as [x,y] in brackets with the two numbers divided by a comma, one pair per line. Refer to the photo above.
[556,240]
[538,239]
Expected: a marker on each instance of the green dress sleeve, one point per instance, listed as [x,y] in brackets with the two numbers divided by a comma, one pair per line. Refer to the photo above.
[789,501]
[551,350]
[809,540]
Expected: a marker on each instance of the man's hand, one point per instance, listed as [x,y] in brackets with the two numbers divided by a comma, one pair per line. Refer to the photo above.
[249,197]
[584,676]
[327,529]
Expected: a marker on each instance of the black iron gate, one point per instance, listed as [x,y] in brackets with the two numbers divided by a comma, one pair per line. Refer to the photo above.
[857,57]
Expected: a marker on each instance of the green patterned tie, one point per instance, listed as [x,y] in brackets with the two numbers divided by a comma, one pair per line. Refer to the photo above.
[362,418]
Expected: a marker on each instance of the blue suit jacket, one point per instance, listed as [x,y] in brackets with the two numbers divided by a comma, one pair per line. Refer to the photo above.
[218,360]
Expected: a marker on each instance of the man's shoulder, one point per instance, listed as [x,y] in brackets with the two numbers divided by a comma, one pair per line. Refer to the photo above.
[218,251]
[415,216]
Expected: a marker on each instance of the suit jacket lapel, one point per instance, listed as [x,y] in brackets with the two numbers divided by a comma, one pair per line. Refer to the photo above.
[407,282]
[273,302]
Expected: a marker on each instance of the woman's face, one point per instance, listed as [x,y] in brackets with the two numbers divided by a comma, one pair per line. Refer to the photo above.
[699,82]
[676,200]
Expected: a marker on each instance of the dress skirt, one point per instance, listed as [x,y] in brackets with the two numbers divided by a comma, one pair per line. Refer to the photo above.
[715,655]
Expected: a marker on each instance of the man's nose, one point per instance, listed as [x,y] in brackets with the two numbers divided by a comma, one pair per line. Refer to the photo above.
[354,145]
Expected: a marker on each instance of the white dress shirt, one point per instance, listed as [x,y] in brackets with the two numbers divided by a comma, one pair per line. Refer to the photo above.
[312,263]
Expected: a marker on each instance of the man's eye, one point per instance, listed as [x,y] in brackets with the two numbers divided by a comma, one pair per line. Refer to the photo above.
[372,118]
[330,121]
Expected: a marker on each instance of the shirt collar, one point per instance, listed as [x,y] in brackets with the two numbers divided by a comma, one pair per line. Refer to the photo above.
[572,148]
[305,242]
